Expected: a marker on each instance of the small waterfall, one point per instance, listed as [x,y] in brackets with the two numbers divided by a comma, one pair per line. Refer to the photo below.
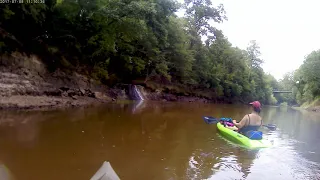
[138,93]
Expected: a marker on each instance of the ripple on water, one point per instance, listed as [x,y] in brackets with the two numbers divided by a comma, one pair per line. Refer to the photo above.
[157,143]
[283,161]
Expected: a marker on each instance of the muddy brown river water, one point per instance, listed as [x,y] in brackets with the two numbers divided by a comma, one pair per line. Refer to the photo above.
[154,141]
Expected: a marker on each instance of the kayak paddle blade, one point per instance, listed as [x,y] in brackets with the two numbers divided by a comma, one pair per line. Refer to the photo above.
[271,126]
[210,120]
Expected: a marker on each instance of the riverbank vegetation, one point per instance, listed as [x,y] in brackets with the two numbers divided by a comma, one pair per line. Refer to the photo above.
[118,41]
[304,82]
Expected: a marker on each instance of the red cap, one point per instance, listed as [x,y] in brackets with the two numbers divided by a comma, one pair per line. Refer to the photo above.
[256,104]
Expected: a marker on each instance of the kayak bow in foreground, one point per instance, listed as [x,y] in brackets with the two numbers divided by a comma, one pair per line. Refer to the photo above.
[105,172]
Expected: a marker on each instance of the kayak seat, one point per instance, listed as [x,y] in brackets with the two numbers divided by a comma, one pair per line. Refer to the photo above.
[226,121]
[227,124]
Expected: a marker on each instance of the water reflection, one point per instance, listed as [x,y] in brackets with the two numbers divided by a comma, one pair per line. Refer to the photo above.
[303,129]
[22,126]
[138,106]
[154,141]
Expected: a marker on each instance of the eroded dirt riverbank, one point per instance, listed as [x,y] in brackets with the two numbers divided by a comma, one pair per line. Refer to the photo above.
[26,83]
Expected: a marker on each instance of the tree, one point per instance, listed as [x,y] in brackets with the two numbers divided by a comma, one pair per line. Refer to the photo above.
[198,15]
[117,41]
[306,80]
[287,83]
[254,54]
[311,72]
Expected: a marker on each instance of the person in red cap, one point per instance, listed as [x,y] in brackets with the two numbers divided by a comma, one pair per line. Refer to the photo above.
[250,122]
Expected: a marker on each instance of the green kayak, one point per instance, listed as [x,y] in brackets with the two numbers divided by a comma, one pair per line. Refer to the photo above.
[241,139]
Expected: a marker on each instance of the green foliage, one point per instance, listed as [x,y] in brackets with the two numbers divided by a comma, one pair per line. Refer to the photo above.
[254,53]
[272,100]
[100,73]
[199,13]
[305,81]
[284,104]
[310,72]
[122,40]
[287,83]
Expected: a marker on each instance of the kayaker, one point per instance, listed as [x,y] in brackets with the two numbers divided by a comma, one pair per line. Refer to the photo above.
[250,122]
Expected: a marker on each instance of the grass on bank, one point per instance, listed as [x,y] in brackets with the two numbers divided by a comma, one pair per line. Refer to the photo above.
[313,103]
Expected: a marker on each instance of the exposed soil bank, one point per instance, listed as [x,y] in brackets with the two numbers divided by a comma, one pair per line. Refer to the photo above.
[25,83]
[314,109]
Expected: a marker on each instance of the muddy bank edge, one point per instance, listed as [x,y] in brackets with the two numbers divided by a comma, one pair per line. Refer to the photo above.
[26,83]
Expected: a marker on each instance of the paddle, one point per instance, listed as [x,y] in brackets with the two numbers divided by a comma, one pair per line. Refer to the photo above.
[212,120]
[270,126]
